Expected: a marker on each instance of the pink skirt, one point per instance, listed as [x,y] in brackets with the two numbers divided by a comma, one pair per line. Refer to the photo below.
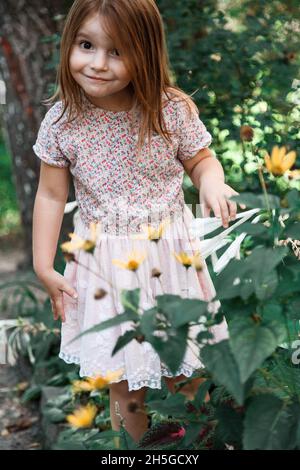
[140,363]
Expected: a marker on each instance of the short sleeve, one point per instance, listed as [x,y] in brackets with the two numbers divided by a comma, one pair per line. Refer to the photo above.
[193,135]
[47,146]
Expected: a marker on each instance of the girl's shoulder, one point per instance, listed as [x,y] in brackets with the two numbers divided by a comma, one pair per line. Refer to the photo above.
[178,106]
[54,116]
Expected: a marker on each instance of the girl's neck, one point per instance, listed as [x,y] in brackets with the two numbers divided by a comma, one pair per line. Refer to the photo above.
[122,101]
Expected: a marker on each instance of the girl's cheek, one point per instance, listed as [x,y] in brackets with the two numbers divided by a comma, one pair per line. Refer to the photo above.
[75,58]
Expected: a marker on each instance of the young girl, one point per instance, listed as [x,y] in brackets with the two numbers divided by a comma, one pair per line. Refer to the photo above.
[125,134]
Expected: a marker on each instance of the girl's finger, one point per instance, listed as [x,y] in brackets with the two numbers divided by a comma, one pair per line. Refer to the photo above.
[224,211]
[242,206]
[205,209]
[232,209]
[216,209]
[60,308]
[70,291]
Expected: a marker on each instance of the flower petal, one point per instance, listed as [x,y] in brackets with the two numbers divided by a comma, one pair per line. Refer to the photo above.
[288,160]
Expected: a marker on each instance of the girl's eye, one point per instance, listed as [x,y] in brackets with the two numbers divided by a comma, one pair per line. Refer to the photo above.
[84,42]
[88,42]
[118,54]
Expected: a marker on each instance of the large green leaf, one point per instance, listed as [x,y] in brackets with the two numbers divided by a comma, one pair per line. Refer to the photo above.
[181,311]
[174,405]
[261,266]
[220,361]
[254,274]
[229,282]
[293,230]
[253,341]
[270,425]
[230,425]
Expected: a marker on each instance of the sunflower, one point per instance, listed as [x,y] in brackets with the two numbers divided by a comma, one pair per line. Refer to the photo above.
[187,261]
[78,243]
[83,417]
[96,383]
[280,161]
[133,262]
[152,233]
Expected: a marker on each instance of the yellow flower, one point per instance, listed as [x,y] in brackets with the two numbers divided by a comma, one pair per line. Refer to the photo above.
[100,382]
[134,260]
[78,243]
[152,233]
[197,261]
[79,386]
[83,417]
[95,383]
[280,161]
[187,260]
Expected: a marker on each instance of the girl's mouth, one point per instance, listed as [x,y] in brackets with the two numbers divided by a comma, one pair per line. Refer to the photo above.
[97,79]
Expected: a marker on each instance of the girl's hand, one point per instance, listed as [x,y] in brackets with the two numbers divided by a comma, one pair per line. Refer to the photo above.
[213,195]
[55,284]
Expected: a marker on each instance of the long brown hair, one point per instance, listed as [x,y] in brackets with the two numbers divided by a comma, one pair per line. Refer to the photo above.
[135,26]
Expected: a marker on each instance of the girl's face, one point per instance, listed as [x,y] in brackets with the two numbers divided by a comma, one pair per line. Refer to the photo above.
[94,57]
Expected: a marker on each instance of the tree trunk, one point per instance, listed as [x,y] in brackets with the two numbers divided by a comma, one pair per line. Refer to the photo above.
[24,68]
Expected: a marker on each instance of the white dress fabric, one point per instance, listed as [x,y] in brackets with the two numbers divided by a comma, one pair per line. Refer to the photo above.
[141,364]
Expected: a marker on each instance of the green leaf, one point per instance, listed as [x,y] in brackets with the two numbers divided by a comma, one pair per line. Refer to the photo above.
[126,441]
[257,200]
[170,343]
[201,393]
[294,308]
[270,425]
[256,273]
[253,341]
[126,338]
[293,231]
[55,415]
[260,265]
[131,299]
[174,306]
[293,199]
[229,282]
[121,318]
[174,405]
[32,393]
[230,425]
[192,433]
[221,363]
[252,229]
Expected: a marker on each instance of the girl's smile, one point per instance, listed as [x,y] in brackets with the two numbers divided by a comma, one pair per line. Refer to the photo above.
[99,79]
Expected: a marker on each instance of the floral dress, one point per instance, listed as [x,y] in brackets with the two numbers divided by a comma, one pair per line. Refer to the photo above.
[126,194]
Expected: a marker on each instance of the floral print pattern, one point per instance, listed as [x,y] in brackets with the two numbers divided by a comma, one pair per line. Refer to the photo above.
[110,182]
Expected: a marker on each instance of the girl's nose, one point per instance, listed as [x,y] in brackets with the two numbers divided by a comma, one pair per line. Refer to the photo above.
[99,62]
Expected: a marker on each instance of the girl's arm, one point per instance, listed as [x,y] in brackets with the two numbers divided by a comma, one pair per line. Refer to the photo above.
[204,164]
[207,175]
[49,205]
[50,200]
